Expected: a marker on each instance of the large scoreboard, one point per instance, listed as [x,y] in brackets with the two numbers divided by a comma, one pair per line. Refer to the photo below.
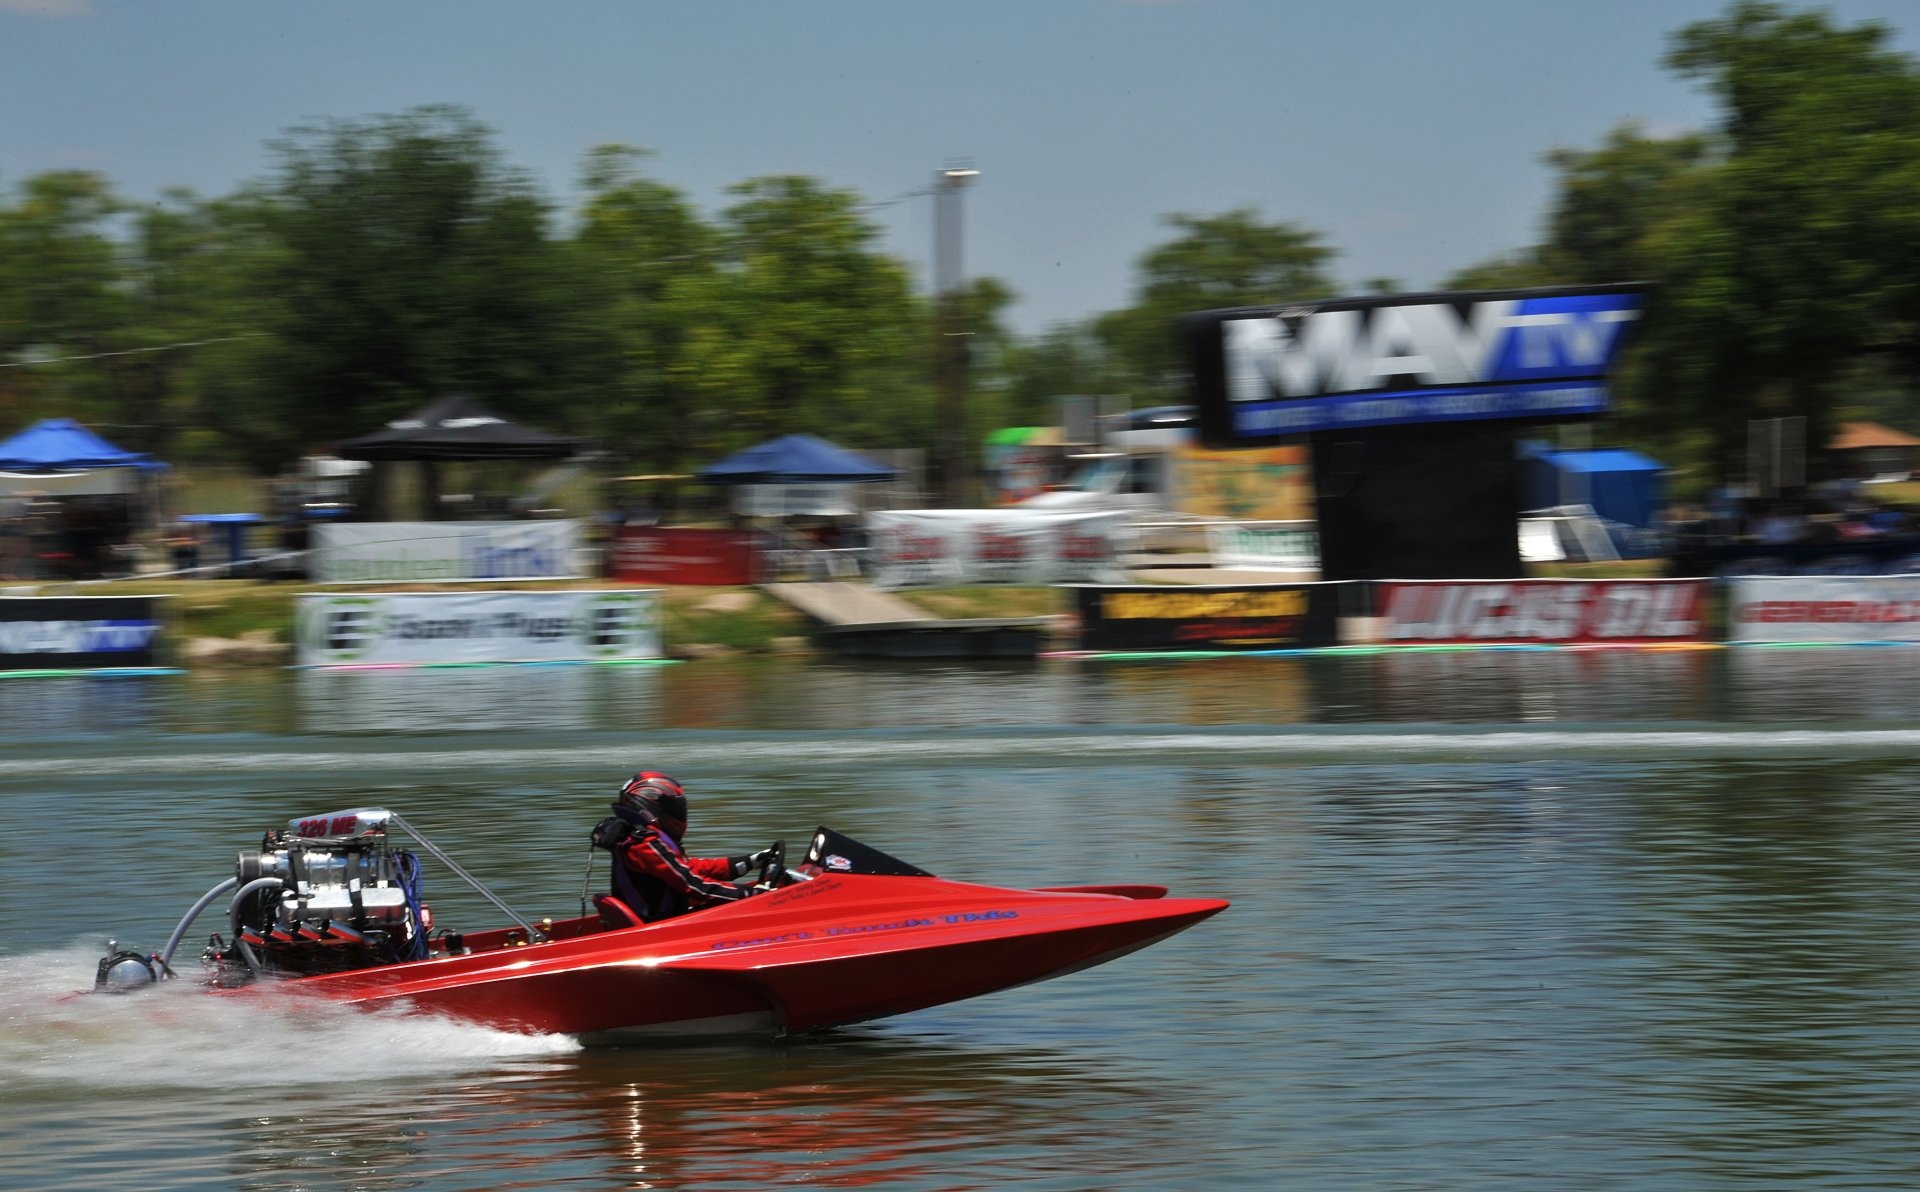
[1262,374]
[1409,404]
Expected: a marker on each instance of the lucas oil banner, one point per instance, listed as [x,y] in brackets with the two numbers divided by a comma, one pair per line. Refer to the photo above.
[955,547]
[576,626]
[1207,617]
[71,632]
[1620,612]
[412,552]
[1263,373]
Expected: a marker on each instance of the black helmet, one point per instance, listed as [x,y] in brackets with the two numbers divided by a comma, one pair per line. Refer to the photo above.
[655,798]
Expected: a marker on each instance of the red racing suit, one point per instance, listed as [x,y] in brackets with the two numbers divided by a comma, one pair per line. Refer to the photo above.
[653,876]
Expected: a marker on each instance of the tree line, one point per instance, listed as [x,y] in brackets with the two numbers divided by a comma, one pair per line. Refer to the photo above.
[386,261]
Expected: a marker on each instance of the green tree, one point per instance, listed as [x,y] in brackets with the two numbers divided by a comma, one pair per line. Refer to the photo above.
[806,326]
[649,263]
[61,297]
[406,262]
[1611,200]
[1232,259]
[1795,253]
[1065,359]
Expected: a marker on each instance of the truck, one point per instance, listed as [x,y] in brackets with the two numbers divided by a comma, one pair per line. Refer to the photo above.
[1151,464]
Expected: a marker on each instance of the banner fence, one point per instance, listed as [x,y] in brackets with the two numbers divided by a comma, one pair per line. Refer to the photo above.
[958,547]
[78,632]
[417,552]
[423,627]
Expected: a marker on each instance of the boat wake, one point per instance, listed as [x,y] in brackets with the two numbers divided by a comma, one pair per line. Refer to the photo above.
[785,753]
[175,1036]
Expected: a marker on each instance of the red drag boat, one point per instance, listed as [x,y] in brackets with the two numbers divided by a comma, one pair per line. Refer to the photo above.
[330,908]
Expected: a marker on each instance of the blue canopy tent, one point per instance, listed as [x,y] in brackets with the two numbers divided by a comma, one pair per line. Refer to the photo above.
[800,476]
[795,459]
[86,497]
[63,445]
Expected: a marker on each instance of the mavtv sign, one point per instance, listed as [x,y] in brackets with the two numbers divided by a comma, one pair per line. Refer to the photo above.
[1265,373]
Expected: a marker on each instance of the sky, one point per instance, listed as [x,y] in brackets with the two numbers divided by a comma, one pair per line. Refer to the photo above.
[1408,134]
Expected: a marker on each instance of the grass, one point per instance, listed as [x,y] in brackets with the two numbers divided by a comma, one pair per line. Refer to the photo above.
[1617,569]
[743,619]
[988,601]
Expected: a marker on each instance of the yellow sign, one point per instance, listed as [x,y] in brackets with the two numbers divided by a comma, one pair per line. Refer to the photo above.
[1248,484]
[1179,605]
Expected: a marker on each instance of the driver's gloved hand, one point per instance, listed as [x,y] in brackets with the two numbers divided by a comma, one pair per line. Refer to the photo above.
[746,863]
[609,832]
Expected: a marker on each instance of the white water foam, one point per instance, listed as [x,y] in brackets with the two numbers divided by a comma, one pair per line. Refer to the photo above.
[786,753]
[177,1035]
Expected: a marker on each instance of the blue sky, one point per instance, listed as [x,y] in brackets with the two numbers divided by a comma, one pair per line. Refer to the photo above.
[1407,132]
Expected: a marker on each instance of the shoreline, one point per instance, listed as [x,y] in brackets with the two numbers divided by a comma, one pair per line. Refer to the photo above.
[218,623]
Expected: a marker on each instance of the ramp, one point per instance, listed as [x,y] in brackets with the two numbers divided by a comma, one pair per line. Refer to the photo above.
[857,620]
[842,602]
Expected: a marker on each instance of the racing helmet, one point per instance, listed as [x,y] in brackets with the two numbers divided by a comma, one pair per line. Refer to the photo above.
[655,798]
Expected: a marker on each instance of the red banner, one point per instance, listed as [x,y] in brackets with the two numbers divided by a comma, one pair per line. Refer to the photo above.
[1592,611]
[657,555]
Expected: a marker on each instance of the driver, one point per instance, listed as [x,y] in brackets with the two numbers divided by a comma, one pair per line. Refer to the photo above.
[651,873]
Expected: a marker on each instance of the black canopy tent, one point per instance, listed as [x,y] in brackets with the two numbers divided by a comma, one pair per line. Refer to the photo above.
[455,428]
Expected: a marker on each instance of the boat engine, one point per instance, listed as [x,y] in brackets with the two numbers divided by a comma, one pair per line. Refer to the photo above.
[327,893]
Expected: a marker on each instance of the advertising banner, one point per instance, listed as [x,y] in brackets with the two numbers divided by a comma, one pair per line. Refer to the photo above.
[663,555]
[1265,546]
[956,547]
[1834,608]
[796,500]
[1631,611]
[414,552]
[335,629]
[1244,484]
[1263,373]
[1208,617]
[72,632]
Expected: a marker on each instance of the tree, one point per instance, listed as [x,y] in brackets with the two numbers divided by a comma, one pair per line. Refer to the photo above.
[406,262]
[1796,252]
[1611,200]
[61,297]
[649,264]
[1232,259]
[805,325]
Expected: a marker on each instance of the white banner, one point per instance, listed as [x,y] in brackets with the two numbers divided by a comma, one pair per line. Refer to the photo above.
[414,552]
[955,547]
[335,629]
[1824,608]
[795,500]
[1265,546]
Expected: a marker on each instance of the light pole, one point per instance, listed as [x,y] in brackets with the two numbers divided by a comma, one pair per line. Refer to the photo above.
[950,329]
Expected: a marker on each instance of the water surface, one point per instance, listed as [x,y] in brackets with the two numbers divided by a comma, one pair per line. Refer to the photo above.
[1543,920]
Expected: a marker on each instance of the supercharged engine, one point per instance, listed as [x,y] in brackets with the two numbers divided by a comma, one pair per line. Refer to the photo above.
[327,893]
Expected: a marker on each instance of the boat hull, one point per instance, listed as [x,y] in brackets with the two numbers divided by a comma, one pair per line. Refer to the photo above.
[839,949]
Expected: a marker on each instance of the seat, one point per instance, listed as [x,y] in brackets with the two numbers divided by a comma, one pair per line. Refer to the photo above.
[615,914]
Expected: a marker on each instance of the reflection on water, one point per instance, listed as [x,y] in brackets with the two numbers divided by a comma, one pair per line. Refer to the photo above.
[477,699]
[1494,923]
[1746,685]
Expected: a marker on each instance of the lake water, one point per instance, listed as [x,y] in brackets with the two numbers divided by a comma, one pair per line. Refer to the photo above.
[1501,919]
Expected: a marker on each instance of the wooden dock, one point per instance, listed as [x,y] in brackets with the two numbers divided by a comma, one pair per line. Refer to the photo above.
[857,620]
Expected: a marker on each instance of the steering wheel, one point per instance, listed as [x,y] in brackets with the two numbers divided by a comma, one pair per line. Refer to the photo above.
[773,870]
